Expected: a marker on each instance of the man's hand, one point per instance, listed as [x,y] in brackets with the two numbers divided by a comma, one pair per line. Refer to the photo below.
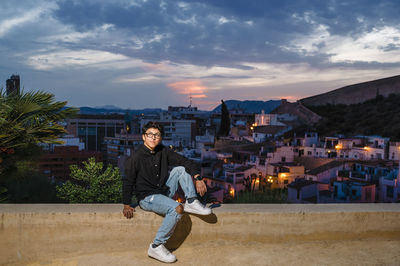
[128,211]
[201,187]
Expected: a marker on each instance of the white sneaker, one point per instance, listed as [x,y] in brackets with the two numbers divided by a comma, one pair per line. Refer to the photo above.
[197,208]
[161,253]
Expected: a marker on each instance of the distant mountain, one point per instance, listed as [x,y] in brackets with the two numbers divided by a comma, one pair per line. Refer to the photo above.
[110,110]
[357,93]
[250,106]
[109,107]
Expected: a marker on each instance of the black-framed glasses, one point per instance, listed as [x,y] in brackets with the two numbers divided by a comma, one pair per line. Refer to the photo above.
[153,136]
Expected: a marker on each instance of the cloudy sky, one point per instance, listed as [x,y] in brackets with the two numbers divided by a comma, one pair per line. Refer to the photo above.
[155,53]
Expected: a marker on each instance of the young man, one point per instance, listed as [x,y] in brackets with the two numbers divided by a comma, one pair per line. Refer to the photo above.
[147,177]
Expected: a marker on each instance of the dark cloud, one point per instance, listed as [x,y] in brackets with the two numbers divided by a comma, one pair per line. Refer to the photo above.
[87,15]
[226,31]
[232,34]
[206,40]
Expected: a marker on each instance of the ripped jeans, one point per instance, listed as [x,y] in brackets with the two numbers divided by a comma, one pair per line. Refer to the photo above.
[165,205]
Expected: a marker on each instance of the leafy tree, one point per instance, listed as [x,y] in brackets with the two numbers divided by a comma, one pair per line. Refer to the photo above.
[225,121]
[27,119]
[92,184]
[31,187]
[31,117]
[3,196]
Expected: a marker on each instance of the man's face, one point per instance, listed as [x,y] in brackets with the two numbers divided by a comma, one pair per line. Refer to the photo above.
[152,138]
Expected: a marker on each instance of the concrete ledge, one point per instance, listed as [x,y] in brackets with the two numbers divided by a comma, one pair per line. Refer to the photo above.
[257,234]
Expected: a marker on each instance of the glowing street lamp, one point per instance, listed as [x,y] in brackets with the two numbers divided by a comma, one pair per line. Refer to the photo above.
[232,192]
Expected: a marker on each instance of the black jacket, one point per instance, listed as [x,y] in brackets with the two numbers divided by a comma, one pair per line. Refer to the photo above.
[146,172]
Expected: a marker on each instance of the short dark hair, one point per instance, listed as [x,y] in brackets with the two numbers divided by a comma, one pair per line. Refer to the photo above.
[155,125]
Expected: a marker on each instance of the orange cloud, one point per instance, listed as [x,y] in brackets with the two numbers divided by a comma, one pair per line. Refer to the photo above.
[155,67]
[195,88]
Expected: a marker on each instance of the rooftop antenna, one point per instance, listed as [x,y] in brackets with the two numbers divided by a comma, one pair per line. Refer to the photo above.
[190,100]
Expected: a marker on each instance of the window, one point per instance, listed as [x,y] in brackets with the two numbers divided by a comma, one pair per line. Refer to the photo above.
[309,153]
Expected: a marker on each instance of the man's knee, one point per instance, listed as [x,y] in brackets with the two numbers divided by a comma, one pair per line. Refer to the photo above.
[179,209]
[180,169]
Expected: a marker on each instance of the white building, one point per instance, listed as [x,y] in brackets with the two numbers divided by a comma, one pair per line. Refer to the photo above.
[279,155]
[389,187]
[262,133]
[68,140]
[176,132]
[264,119]
[394,151]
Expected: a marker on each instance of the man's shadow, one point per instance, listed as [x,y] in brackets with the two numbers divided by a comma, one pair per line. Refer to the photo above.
[184,227]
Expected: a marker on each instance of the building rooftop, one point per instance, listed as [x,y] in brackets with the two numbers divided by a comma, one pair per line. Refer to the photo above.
[301,182]
[269,129]
[325,167]
[239,169]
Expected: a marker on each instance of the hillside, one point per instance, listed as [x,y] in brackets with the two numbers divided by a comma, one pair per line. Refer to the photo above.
[379,116]
[357,93]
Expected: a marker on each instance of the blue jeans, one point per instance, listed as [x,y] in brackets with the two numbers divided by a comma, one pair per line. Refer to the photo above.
[164,205]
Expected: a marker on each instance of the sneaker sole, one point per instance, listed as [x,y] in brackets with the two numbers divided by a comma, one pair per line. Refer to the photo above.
[165,261]
[194,212]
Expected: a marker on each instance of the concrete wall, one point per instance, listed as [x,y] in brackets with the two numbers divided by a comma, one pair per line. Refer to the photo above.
[234,234]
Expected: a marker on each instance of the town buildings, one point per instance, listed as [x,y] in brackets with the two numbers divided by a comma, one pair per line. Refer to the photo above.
[121,146]
[92,129]
[256,157]
[56,163]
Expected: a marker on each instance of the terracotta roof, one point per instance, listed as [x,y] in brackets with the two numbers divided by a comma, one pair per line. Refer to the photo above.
[325,167]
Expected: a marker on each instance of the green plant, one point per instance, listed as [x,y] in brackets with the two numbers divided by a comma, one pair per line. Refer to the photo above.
[268,196]
[31,117]
[27,119]
[225,126]
[92,184]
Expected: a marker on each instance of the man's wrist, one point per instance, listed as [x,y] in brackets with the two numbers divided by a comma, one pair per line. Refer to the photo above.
[198,177]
